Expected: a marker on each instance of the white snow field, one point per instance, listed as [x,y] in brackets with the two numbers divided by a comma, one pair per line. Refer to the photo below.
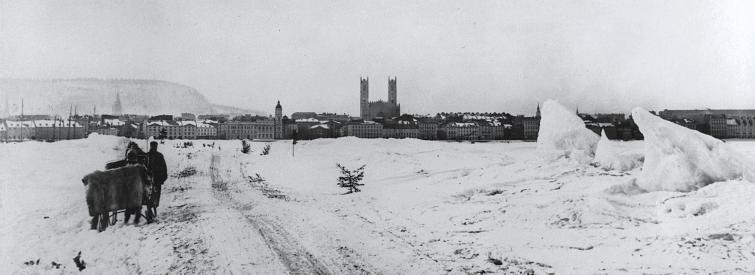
[426,208]
[564,135]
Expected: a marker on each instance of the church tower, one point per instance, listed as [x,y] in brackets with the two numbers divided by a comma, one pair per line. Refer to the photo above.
[364,96]
[392,91]
[117,108]
[278,121]
[537,114]
[278,110]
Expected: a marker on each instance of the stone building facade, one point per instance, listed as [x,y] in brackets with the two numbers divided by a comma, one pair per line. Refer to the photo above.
[366,129]
[719,123]
[460,131]
[260,129]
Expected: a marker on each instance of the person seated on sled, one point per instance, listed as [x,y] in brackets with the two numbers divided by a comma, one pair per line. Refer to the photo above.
[133,146]
[140,155]
[159,171]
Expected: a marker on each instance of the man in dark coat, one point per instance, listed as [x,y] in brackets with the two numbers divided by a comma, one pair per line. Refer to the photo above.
[156,166]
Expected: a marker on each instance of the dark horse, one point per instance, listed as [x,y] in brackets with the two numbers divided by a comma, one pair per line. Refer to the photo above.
[124,188]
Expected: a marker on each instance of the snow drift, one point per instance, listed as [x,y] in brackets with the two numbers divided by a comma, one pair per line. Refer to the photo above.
[563,134]
[609,156]
[680,159]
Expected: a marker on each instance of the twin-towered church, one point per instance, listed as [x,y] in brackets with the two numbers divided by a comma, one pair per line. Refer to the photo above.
[371,110]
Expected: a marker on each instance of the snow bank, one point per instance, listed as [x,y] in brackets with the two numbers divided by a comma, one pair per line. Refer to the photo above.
[563,134]
[680,159]
[609,156]
[716,205]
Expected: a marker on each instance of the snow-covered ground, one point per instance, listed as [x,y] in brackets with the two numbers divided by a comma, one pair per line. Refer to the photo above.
[426,208]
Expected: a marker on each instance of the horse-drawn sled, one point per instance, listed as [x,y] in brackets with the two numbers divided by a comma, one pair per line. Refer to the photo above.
[123,187]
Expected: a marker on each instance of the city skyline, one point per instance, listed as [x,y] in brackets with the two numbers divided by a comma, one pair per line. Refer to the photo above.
[486,56]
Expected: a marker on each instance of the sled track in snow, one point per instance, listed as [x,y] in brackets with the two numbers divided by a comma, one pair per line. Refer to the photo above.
[297,259]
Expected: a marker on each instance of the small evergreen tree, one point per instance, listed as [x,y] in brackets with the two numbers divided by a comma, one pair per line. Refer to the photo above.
[265,150]
[245,147]
[350,178]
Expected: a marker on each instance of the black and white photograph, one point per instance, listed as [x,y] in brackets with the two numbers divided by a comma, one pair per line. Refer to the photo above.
[377,137]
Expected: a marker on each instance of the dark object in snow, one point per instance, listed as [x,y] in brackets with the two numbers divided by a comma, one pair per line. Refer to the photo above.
[56,265]
[265,150]
[186,172]
[495,261]
[589,247]
[722,236]
[79,262]
[350,178]
[245,147]
[257,178]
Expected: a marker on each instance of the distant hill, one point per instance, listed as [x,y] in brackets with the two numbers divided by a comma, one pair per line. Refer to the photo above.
[137,96]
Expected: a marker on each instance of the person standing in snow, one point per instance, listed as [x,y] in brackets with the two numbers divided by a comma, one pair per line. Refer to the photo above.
[155,166]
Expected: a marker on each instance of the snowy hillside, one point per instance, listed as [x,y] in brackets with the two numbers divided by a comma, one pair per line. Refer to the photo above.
[426,208]
[137,97]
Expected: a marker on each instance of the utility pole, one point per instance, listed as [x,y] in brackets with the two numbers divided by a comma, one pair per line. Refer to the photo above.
[293,145]
[68,129]
[75,117]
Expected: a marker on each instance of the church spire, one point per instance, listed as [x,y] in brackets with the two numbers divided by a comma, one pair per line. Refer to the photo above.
[537,114]
[117,108]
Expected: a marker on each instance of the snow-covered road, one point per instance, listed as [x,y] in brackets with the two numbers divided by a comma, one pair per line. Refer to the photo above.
[290,253]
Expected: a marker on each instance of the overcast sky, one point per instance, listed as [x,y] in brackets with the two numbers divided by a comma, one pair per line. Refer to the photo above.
[447,55]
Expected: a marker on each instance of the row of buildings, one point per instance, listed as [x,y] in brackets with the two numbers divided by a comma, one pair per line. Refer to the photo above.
[377,119]
[40,129]
[311,125]
[457,126]
[717,123]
